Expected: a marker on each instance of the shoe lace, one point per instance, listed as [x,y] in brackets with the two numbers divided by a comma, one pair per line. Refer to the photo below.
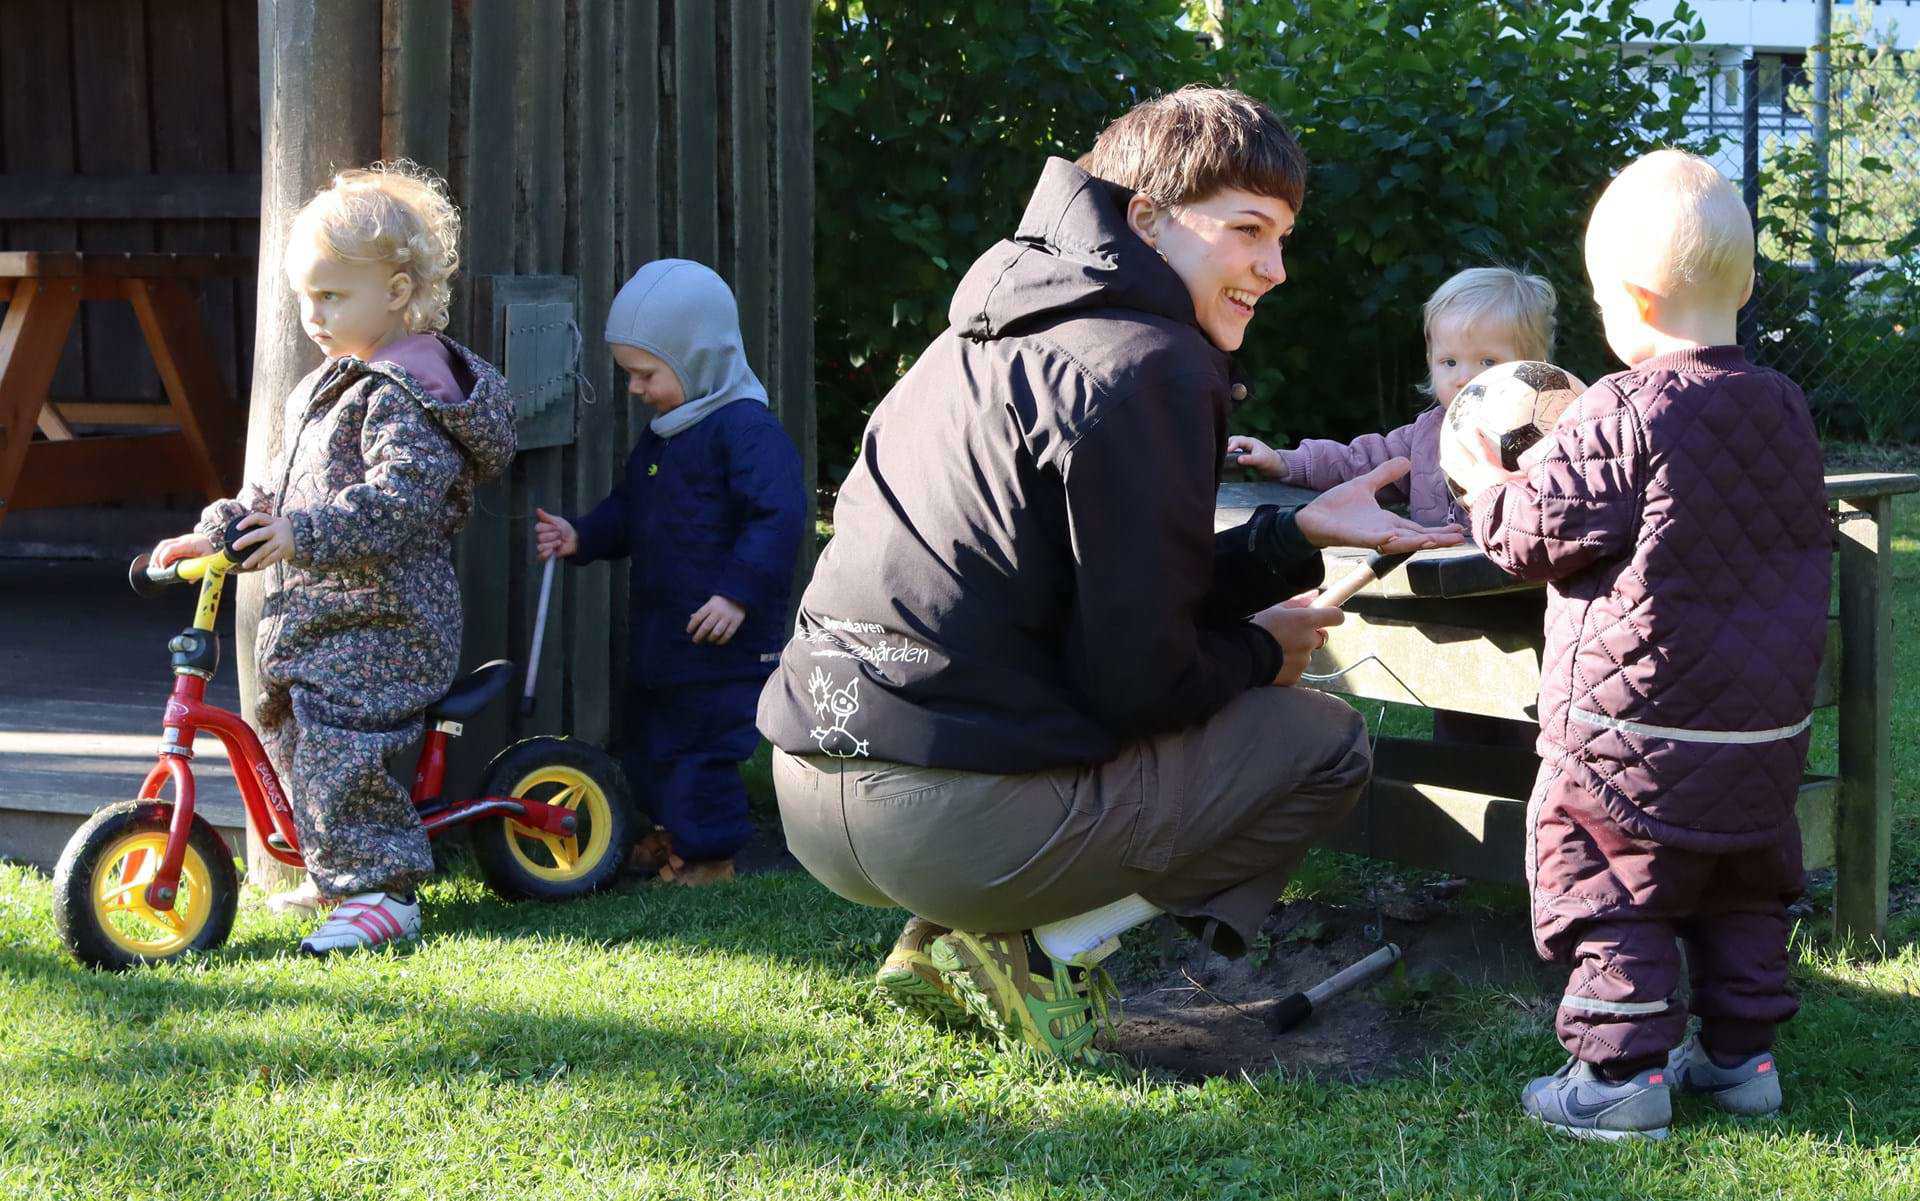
[1103,997]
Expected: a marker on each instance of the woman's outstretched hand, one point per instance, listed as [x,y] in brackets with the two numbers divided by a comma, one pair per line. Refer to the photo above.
[1349,514]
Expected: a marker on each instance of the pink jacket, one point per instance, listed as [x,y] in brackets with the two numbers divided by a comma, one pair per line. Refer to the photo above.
[1320,463]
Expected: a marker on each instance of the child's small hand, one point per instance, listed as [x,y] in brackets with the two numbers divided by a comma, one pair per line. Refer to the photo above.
[1484,470]
[716,621]
[186,546]
[553,535]
[1255,454]
[272,538]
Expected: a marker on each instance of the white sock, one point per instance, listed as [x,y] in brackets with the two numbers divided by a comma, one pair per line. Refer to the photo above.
[1084,938]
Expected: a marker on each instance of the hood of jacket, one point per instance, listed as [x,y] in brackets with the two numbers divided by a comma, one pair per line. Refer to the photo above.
[1073,251]
[683,313]
[465,394]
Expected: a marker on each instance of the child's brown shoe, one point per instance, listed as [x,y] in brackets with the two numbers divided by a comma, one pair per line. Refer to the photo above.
[652,853]
[698,874]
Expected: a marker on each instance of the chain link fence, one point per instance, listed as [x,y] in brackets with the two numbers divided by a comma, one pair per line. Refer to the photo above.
[1837,296]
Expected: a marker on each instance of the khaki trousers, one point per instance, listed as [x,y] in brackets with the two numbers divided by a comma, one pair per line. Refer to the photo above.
[1207,823]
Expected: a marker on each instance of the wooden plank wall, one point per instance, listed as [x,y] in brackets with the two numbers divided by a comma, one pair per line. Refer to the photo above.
[585,138]
[155,101]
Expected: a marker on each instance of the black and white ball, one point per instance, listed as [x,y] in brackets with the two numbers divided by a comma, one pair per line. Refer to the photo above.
[1514,404]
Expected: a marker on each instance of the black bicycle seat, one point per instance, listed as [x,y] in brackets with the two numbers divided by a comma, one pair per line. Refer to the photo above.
[473,692]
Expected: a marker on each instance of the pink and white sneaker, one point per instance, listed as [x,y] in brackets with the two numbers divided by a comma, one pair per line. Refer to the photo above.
[364,921]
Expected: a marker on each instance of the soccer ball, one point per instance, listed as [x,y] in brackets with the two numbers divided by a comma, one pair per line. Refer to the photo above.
[1514,404]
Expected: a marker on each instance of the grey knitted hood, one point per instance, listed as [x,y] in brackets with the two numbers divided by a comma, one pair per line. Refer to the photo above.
[684,313]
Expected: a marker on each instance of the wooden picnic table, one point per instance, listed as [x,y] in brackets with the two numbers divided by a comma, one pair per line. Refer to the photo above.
[1449,630]
[200,444]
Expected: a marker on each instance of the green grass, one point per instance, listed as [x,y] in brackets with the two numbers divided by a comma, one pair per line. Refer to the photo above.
[660,1043]
[673,1044]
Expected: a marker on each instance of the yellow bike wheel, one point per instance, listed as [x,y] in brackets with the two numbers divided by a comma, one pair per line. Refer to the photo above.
[521,861]
[561,856]
[120,880]
[100,889]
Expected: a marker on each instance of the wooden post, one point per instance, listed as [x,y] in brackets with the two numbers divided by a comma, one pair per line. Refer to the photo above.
[1863,836]
[319,113]
[484,177]
[793,254]
[592,181]
[540,88]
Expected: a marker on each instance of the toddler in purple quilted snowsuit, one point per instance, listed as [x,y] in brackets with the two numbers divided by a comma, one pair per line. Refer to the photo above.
[1679,513]
[353,525]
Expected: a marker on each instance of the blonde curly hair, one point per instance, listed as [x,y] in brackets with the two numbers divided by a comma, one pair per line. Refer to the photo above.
[392,212]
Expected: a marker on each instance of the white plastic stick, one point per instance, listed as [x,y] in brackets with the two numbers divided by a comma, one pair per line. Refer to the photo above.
[1354,976]
[539,635]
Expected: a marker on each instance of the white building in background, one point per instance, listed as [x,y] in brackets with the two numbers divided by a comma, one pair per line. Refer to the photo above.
[1782,27]
[1776,35]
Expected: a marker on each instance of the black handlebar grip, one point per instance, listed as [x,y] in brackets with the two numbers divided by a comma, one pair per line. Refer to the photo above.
[1381,564]
[232,532]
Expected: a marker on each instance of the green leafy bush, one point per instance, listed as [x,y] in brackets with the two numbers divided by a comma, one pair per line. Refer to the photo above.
[1444,134]
[931,121]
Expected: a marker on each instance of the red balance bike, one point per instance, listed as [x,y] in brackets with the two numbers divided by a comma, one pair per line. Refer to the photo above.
[148,880]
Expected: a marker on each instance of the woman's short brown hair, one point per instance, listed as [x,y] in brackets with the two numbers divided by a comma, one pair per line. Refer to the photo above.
[1192,143]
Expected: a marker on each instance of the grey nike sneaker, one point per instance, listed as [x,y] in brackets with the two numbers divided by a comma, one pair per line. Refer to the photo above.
[1576,1101]
[1751,1087]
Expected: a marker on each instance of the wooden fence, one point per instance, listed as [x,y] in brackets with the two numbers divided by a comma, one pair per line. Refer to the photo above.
[131,126]
[583,138]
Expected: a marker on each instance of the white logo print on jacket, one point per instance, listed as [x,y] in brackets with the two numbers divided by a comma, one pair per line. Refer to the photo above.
[843,703]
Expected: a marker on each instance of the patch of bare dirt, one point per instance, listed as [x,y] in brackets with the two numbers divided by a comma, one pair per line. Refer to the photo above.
[1193,1014]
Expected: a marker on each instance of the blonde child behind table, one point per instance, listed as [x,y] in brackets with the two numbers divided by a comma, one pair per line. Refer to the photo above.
[1476,319]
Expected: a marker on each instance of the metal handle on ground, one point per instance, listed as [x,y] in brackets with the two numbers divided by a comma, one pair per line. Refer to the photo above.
[1289,1011]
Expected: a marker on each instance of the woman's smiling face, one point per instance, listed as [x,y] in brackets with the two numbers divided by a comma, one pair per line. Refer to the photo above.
[1228,248]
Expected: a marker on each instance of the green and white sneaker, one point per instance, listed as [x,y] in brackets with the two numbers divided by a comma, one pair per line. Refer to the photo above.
[1750,1088]
[1576,1100]
[910,982]
[1025,996]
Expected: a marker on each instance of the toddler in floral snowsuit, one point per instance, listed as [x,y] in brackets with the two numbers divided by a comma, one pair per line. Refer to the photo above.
[360,630]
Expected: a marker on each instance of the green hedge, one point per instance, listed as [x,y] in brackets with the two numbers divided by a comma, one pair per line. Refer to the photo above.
[1443,133]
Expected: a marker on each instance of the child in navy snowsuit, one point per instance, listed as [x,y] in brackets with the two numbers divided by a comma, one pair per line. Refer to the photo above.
[710,512]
